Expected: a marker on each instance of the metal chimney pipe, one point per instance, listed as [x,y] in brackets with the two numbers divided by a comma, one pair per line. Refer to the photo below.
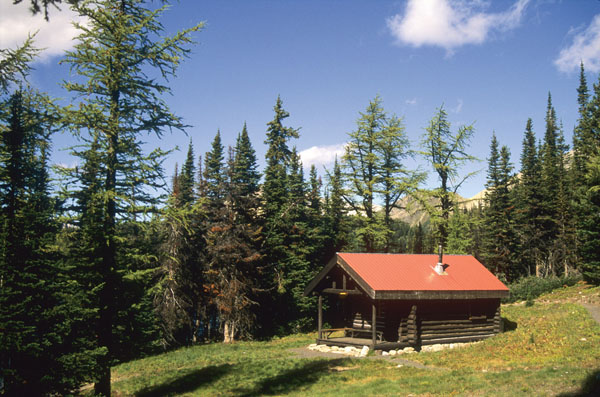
[439,268]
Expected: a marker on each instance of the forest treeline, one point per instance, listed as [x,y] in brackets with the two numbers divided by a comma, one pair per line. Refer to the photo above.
[97,267]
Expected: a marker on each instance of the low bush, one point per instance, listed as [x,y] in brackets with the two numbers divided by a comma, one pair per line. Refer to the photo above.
[529,288]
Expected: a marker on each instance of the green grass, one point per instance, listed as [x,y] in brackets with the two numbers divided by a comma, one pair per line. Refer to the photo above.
[553,349]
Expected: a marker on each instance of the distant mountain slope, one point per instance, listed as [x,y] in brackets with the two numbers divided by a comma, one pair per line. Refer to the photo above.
[412,212]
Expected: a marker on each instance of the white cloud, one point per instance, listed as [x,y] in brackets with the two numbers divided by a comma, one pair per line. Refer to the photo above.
[450,23]
[585,47]
[322,155]
[56,35]
[412,101]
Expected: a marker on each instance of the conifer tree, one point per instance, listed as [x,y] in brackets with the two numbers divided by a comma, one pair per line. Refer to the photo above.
[336,224]
[372,168]
[233,258]
[43,346]
[187,180]
[418,243]
[499,239]
[116,54]
[275,198]
[446,152]
[528,205]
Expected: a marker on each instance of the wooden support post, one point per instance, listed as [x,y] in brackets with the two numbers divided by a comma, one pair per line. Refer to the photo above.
[344,282]
[320,317]
[374,325]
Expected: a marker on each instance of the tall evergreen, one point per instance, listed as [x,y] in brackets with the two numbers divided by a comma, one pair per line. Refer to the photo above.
[528,205]
[588,205]
[275,197]
[554,211]
[500,238]
[335,217]
[187,180]
[233,258]
[120,62]
[43,346]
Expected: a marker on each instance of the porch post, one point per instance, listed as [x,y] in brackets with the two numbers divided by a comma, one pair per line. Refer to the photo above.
[374,325]
[320,317]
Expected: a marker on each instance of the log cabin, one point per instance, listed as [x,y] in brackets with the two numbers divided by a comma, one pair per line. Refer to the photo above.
[389,301]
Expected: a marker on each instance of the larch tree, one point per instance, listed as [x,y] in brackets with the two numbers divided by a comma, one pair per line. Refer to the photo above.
[446,153]
[120,59]
[372,170]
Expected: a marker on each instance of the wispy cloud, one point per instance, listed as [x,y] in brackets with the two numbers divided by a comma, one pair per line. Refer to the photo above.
[56,35]
[322,155]
[458,107]
[412,101]
[585,47]
[451,23]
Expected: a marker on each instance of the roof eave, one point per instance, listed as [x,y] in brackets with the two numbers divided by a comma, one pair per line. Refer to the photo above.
[430,295]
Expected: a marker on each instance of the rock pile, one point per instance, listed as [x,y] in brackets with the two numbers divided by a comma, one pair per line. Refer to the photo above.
[358,352]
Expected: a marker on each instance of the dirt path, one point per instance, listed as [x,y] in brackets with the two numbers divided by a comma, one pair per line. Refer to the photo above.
[594,311]
[303,352]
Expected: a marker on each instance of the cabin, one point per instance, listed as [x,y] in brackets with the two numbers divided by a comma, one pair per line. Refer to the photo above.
[390,301]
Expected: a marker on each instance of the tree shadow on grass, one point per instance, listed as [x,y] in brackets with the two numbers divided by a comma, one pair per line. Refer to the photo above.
[589,388]
[188,382]
[287,381]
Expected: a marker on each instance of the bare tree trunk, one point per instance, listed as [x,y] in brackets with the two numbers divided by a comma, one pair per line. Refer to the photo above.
[229,332]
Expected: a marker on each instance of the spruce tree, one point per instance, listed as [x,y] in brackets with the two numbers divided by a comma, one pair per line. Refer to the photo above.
[232,258]
[43,346]
[335,217]
[116,56]
[528,204]
[275,198]
[500,238]
[187,179]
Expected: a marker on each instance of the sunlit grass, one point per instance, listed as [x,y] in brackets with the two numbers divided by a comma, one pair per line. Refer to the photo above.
[554,349]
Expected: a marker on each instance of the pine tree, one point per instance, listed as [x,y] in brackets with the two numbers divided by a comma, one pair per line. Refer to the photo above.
[446,152]
[119,99]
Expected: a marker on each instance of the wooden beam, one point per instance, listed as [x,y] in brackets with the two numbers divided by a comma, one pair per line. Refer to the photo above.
[338,291]
[320,317]
[374,325]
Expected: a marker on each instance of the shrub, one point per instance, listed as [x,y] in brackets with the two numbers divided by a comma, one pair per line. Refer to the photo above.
[529,288]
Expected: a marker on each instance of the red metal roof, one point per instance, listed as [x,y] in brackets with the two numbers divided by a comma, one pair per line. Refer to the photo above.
[403,272]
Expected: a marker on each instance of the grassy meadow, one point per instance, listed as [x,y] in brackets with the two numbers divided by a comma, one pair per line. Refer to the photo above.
[549,348]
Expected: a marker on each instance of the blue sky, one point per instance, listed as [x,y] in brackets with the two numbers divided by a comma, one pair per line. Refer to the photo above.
[489,63]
